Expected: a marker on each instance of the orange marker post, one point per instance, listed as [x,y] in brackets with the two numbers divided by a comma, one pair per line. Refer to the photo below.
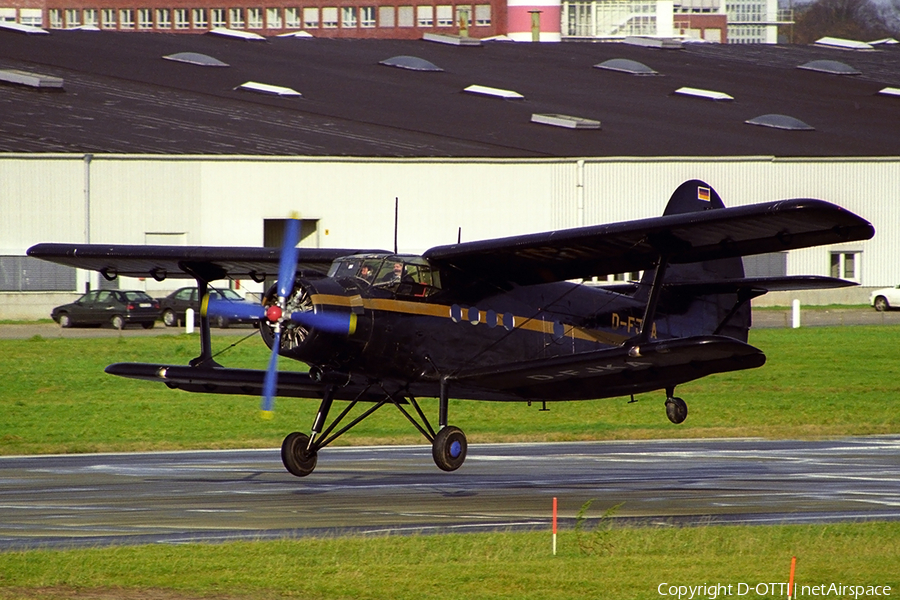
[791,580]
[554,526]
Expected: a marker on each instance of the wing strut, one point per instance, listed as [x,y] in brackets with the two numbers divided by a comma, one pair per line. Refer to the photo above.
[206,358]
[652,301]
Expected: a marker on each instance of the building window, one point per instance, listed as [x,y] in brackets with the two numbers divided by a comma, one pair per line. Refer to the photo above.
[26,274]
[367,16]
[199,17]
[845,265]
[33,17]
[329,17]
[126,18]
[163,18]
[273,19]
[181,19]
[90,17]
[405,16]
[386,16]
[72,17]
[483,15]
[145,18]
[463,16]
[7,15]
[445,15]
[292,18]
[348,17]
[425,16]
[56,19]
[218,17]
[310,18]
[254,18]
[236,18]
[108,18]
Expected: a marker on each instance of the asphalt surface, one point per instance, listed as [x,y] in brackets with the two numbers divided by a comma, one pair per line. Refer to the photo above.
[211,496]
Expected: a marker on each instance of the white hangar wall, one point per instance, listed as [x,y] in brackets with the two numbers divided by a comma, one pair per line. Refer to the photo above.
[204,200]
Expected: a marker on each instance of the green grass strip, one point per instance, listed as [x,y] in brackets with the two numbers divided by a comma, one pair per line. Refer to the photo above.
[818,382]
[629,563]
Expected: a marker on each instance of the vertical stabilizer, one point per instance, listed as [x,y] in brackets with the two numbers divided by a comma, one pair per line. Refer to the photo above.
[699,315]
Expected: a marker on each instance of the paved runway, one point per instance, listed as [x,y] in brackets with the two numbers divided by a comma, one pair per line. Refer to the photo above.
[212,496]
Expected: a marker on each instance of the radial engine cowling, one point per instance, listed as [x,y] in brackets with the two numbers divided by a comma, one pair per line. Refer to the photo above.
[323,323]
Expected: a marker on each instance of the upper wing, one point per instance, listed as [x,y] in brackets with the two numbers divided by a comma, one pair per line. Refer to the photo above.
[205,262]
[637,245]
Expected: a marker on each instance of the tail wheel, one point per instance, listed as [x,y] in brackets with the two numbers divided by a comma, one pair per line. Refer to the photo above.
[294,455]
[676,410]
[449,448]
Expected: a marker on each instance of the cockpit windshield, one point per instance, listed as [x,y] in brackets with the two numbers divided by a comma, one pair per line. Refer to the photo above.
[402,275]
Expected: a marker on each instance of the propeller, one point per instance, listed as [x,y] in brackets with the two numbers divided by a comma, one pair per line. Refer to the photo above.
[277,314]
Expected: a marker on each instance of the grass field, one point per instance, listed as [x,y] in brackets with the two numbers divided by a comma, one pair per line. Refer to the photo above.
[818,382]
[625,564]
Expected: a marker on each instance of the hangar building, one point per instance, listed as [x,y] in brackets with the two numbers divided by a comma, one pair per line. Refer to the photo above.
[139,147]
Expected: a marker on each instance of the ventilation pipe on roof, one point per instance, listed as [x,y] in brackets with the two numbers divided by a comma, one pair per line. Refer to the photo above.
[579,192]
[519,17]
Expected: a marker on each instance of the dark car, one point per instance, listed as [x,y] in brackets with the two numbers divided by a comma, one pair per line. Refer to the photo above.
[175,305]
[114,307]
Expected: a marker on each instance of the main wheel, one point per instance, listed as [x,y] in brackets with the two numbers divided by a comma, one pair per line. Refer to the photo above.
[881,304]
[449,448]
[118,322]
[676,410]
[170,319]
[295,457]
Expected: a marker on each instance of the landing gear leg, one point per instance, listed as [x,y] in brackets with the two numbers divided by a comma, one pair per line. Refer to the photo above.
[676,408]
[449,446]
[299,452]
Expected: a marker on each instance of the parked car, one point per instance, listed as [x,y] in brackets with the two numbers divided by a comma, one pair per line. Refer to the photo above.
[113,307]
[885,298]
[175,305]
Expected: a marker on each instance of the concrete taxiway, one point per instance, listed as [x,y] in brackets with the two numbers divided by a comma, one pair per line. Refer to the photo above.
[210,496]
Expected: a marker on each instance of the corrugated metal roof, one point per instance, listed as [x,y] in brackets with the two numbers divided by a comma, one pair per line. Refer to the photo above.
[120,97]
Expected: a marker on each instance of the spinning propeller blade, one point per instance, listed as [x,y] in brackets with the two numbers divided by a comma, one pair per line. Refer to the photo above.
[287,270]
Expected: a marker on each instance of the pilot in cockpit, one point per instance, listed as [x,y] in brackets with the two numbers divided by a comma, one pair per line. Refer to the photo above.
[392,276]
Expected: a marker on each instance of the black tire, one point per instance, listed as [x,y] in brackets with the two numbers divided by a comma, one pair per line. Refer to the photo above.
[169,318]
[222,322]
[449,448]
[881,304]
[295,457]
[65,321]
[148,324]
[676,410]
[118,322]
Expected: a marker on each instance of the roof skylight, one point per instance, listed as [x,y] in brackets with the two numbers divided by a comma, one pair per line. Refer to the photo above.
[484,90]
[833,42]
[624,65]
[195,58]
[34,80]
[566,121]
[265,88]
[18,27]
[295,34]
[833,67]
[413,63]
[449,38]
[704,94]
[235,33]
[780,122]
[889,91]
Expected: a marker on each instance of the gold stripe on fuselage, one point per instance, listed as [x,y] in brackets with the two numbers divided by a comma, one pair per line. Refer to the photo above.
[443,311]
